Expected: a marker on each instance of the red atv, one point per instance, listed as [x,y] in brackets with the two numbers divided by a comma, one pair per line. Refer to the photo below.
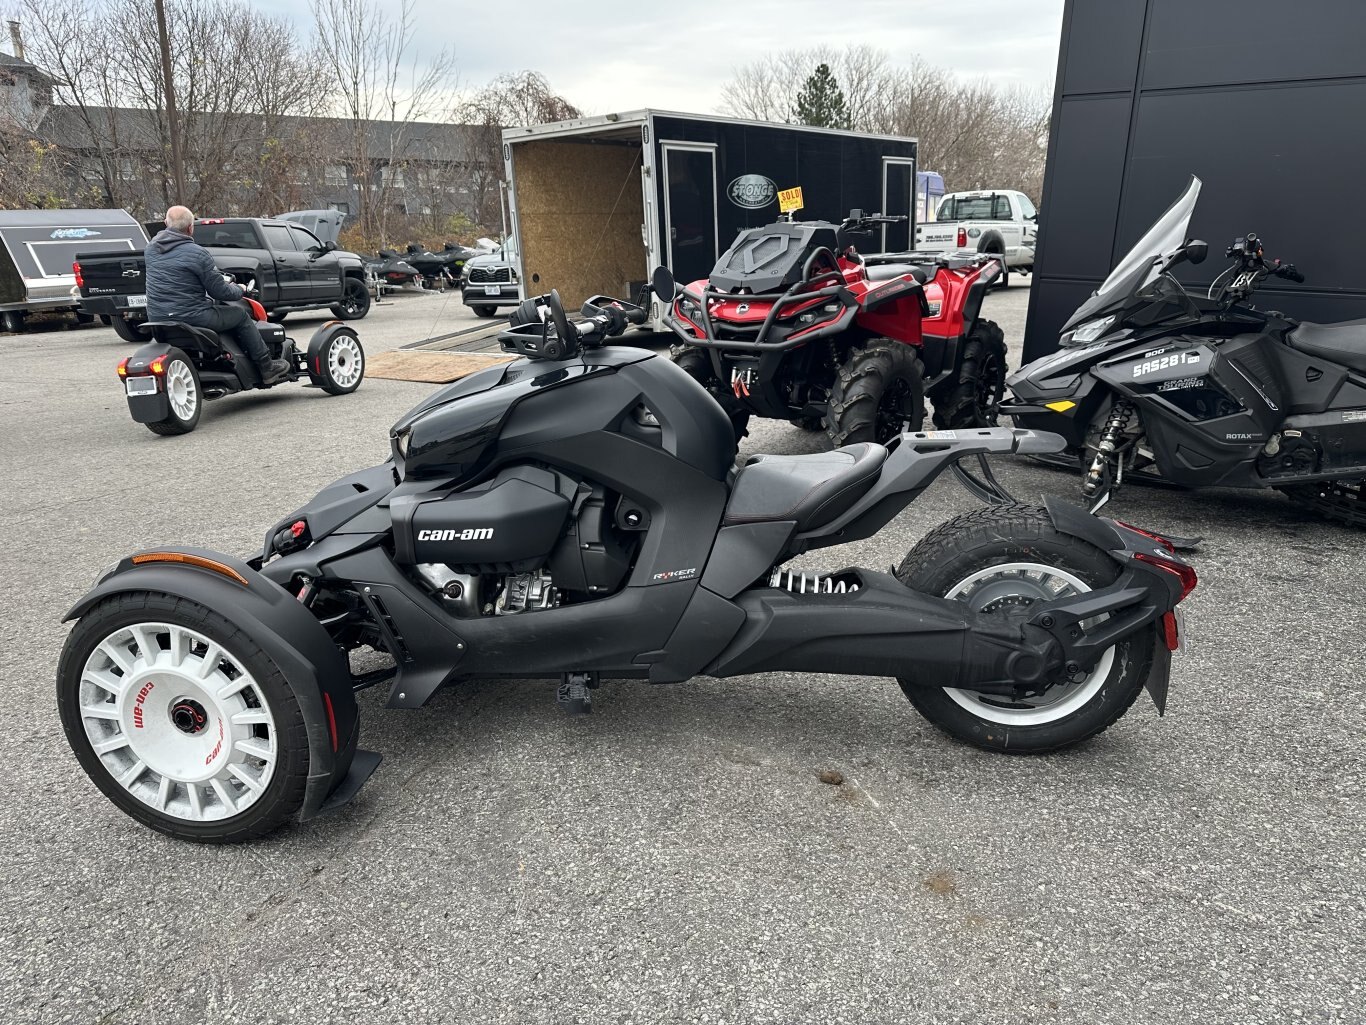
[786,328]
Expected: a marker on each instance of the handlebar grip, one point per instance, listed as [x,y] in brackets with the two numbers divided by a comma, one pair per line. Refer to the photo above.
[1293,275]
[636,316]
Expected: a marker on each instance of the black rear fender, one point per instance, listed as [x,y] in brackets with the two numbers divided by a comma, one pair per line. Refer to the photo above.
[915,460]
[314,667]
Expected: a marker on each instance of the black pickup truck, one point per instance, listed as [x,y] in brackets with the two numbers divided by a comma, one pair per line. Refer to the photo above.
[286,267]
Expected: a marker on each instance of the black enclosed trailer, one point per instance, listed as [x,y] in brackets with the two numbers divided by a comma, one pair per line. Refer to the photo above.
[38,248]
[598,202]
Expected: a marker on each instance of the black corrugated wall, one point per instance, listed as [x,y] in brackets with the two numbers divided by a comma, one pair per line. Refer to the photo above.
[1264,100]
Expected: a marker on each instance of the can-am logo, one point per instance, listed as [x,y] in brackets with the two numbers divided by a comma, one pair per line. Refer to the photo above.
[752,191]
[74,233]
[468,534]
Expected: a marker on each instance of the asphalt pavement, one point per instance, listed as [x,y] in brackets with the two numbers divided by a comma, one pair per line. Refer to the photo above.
[676,856]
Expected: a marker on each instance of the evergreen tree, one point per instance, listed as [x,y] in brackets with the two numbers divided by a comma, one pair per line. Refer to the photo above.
[820,102]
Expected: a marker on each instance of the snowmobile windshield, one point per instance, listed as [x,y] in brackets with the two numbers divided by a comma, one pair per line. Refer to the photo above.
[1149,258]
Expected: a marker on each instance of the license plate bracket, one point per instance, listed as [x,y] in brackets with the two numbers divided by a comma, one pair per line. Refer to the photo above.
[140,385]
[492,290]
[137,302]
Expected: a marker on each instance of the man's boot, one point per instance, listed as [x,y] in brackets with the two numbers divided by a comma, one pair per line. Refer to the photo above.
[272,370]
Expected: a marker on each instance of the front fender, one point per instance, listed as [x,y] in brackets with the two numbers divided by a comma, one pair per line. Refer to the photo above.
[314,667]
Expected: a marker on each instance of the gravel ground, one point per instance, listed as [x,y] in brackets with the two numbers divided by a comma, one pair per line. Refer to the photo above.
[675,856]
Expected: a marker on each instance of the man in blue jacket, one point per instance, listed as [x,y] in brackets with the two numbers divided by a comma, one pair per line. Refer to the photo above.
[182,280]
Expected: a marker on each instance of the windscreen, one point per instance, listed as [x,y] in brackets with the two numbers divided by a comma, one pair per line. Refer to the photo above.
[1146,260]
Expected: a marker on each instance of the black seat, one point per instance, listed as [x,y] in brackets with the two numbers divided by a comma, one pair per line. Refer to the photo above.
[812,489]
[887,271]
[175,332]
[1343,343]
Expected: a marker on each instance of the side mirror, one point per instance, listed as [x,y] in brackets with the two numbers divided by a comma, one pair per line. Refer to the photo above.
[329,247]
[1194,251]
[663,284]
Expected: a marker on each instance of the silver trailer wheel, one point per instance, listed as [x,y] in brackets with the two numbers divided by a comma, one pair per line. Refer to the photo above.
[1024,583]
[178,721]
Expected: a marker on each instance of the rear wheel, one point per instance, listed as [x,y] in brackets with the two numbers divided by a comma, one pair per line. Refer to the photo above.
[12,321]
[879,391]
[355,302]
[184,398]
[697,365]
[1007,557]
[484,310]
[181,719]
[973,397]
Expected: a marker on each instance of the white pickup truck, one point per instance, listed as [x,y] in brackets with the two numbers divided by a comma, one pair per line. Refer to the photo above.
[987,221]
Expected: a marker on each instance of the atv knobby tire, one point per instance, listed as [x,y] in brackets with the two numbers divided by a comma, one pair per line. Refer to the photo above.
[968,547]
[972,397]
[697,365]
[879,391]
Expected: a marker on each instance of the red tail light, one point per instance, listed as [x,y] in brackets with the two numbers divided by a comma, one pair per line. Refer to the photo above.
[1185,573]
[962,238]
[123,366]
[80,278]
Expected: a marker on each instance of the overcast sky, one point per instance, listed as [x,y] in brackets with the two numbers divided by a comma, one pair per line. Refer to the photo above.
[606,55]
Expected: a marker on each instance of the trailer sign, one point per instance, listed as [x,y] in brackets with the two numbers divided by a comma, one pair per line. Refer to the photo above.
[790,200]
[752,191]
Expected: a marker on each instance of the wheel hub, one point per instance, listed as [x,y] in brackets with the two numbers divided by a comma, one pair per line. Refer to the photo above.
[189,716]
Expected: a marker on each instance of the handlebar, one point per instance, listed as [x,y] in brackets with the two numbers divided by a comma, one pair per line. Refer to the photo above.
[540,328]
[1249,271]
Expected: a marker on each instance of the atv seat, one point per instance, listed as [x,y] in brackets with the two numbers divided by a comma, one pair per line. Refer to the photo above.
[1343,343]
[887,271]
[811,489]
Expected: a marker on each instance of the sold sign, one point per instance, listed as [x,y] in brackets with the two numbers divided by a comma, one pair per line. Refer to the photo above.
[790,200]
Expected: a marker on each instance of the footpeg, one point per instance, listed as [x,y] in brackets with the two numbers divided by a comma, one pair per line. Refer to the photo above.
[574,694]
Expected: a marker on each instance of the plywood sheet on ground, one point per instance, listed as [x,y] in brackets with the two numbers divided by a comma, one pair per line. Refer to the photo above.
[429,367]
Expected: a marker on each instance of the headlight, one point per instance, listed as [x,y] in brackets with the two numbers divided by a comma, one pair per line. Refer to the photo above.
[690,310]
[402,442]
[1088,332]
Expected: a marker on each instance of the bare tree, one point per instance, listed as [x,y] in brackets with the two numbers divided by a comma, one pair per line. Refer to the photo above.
[974,133]
[381,84]
[510,100]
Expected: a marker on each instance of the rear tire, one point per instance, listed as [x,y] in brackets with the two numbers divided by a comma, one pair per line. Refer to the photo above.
[484,310]
[879,391]
[697,365]
[184,398]
[973,399]
[355,302]
[158,775]
[12,321]
[1012,555]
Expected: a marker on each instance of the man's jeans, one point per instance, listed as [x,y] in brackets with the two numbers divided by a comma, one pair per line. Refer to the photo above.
[234,321]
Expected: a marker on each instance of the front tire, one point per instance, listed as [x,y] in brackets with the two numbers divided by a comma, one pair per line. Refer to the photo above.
[182,720]
[697,365]
[338,365]
[1010,556]
[355,302]
[184,398]
[974,397]
[878,392]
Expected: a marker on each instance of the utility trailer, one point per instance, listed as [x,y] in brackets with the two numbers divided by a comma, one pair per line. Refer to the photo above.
[599,202]
[39,248]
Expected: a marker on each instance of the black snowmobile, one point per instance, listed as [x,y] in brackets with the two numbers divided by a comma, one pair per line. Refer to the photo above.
[576,515]
[438,270]
[392,269]
[1154,383]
